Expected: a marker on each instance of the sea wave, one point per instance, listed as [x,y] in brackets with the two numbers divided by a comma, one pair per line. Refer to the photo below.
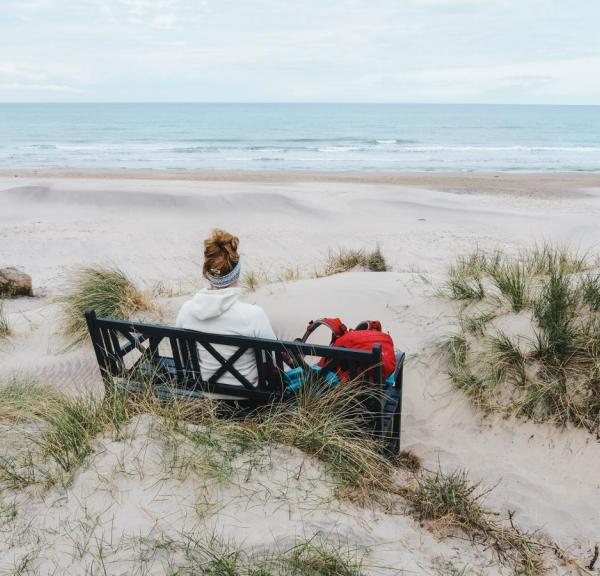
[434,148]
[392,141]
[339,149]
[267,149]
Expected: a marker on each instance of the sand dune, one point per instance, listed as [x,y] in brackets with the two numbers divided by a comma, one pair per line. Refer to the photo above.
[154,228]
[148,200]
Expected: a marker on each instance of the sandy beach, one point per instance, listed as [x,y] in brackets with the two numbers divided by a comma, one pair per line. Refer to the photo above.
[152,224]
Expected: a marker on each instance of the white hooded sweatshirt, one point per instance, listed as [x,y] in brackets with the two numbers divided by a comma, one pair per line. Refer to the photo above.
[221,312]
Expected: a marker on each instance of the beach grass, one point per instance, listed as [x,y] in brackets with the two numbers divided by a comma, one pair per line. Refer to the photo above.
[506,359]
[512,279]
[591,291]
[254,279]
[200,553]
[328,424]
[346,259]
[476,323]
[23,398]
[337,262]
[290,274]
[376,261]
[457,351]
[550,374]
[542,259]
[60,429]
[251,280]
[448,501]
[5,330]
[449,498]
[108,291]
[194,437]
[70,431]
[464,282]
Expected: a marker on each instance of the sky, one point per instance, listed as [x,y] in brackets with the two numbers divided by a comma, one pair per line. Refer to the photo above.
[484,51]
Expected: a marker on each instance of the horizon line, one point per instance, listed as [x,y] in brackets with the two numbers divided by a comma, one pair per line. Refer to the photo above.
[312,102]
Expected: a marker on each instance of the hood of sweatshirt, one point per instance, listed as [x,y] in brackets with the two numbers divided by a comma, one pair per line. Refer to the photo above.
[212,303]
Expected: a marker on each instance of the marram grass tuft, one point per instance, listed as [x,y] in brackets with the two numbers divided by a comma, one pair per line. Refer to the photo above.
[550,373]
[108,291]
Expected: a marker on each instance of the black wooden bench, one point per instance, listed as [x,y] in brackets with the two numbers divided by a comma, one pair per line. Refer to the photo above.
[170,357]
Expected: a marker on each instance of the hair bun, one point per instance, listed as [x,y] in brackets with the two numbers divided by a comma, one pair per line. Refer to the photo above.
[220,252]
[223,239]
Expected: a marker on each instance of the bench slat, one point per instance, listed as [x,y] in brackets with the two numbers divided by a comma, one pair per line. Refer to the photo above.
[225,339]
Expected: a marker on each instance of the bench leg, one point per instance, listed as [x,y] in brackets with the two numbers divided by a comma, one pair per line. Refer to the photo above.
[397,424]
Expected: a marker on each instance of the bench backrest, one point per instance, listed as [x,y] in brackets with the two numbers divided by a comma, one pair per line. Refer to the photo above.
[120,346]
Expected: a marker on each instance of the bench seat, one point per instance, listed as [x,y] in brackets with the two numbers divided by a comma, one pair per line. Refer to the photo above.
[138,354]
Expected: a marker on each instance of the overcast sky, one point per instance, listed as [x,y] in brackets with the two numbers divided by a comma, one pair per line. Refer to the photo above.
[497,51]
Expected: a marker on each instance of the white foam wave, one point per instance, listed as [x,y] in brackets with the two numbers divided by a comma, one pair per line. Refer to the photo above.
[590,149]
[338,148]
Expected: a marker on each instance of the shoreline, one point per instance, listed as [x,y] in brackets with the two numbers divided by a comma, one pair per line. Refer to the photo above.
[520,183]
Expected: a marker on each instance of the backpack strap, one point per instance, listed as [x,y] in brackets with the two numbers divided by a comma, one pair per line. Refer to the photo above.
[337,327]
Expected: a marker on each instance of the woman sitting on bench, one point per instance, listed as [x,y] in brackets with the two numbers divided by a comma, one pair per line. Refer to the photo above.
[217,309]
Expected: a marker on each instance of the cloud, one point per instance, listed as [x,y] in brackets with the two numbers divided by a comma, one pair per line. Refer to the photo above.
[20,87]
[14,70]
[159,14]
[429,50]
[165,21]
[536,78]
[16,77]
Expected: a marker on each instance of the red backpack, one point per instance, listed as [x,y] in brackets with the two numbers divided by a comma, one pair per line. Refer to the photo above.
[363,337]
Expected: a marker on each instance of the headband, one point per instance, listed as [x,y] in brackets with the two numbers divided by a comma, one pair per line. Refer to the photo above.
[228,279]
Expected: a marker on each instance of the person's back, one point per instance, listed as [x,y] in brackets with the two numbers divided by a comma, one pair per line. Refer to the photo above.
[218,310]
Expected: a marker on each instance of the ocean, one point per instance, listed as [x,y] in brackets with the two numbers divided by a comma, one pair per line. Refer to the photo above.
[385,137]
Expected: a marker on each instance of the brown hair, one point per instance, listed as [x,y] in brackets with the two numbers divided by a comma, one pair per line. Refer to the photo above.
[220,253]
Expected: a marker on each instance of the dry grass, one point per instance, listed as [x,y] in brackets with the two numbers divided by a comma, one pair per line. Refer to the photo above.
[346,259]
[543,259]
[251,280]
[556,375]
[108,291]
[60,430]
[408,461]
[342,260]
[449,502]
[327,424]
[290,274]
[22,398]
[330,425]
